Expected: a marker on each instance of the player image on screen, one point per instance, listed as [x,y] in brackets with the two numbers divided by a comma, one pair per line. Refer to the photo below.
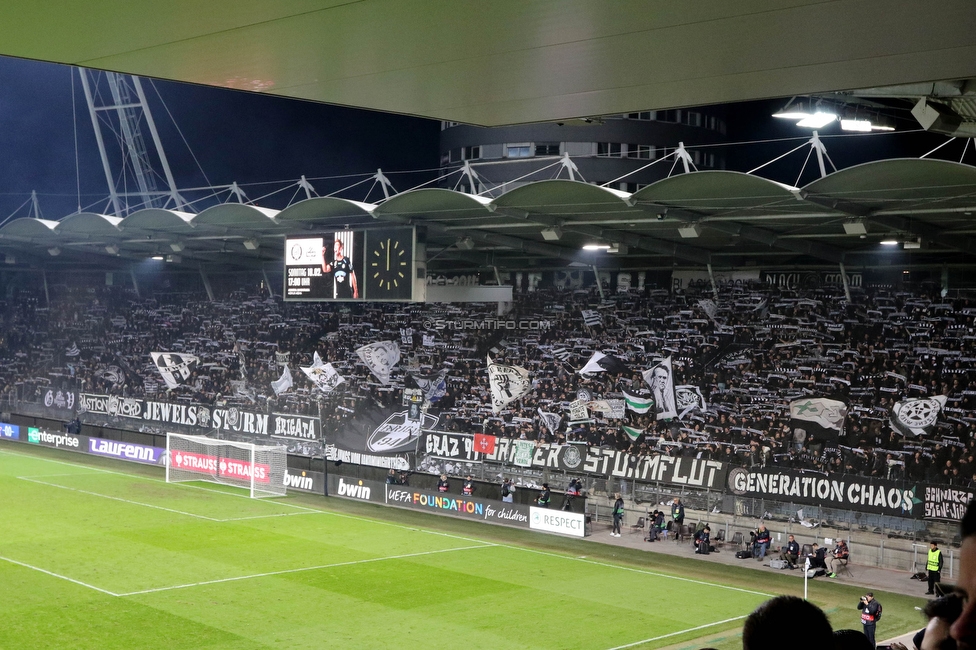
[340,265]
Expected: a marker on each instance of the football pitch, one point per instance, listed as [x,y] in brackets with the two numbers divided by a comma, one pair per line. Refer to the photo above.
[94,555]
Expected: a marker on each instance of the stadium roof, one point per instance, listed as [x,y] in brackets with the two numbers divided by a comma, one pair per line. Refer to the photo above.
[508,61]
[697,218]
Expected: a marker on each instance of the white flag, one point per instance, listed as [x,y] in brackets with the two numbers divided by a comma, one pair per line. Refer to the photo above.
[508,383]
[578,411]
[175,368]
[380,358]
[323,375]
[284,382]
[688,398]
[660,378]
[551,420]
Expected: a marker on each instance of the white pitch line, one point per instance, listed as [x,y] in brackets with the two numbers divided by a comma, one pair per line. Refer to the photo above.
[665,636]
[135,503]
[58,575]
[279,514]
[299,570]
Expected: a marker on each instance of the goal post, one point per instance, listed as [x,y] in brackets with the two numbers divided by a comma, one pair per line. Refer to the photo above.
[258,468]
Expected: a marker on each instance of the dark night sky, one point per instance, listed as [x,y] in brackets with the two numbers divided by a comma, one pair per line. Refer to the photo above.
[236,136]
[253,138]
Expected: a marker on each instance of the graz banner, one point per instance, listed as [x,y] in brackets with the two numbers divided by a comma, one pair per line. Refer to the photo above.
[943,502]
[203,418]
[843,491]
[583,459]
[455,505]
[449,446]
[60,399]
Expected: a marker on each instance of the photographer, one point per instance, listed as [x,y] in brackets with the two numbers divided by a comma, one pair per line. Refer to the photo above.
[870,615]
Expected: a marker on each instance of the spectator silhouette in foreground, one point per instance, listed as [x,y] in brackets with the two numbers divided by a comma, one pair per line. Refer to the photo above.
[787,621]
[964,629]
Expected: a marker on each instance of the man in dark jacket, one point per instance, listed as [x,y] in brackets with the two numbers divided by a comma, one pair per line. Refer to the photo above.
[763,540]
[618,515]
[790,552]
[442,484]
[702,541]
[870,614]
[545,497]
[677,517]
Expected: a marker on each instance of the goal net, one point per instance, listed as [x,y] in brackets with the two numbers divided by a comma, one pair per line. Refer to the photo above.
[258,468]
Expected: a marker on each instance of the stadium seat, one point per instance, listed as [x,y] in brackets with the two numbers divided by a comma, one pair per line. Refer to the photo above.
[638,526]
[737,540]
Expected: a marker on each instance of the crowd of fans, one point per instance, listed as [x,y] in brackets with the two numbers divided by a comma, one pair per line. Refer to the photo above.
[760,347]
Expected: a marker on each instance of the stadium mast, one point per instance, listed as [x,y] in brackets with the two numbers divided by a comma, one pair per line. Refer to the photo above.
[131,110]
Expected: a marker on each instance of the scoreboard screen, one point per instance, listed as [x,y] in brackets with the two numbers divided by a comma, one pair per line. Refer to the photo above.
[351,265]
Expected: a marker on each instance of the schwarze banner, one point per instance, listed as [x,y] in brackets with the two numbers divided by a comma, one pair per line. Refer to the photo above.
[204,418]
[944,502]
[655,468]
[844,491]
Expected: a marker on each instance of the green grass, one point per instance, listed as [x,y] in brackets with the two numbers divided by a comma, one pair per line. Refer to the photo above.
[106,555]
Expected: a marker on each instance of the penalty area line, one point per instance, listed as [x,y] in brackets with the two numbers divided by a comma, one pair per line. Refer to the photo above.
[679,632]
[301,569]
[58,575]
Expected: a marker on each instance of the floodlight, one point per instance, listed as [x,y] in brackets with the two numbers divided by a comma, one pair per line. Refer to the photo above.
[112,249]
[465,243]
[690,231]
[618,249]
[177,246]
[863,126]
[596,247]
[889,242]
[54,252]
[10,259]
[251,244]
[909,245]
[157,257]
[855,228]
[793,111]
[817,120]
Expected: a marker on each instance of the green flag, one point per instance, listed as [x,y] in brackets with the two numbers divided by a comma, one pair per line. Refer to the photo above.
[637,403]
[633,433]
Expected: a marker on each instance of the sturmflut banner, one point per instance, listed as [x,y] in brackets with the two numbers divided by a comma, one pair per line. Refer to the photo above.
[583,459]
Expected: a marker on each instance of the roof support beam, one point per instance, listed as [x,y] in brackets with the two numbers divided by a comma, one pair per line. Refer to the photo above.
[961,243]
[650,244]
[763,236]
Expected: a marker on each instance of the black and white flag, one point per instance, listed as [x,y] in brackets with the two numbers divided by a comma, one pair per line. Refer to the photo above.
[406,335]
[688,399]
[283,383]
[660,377]
[551,420]
[112,374]
[709,307]
[591,317]
[917,417]
[380,358]
[601,362]
[73,351]
[561,353]
[434,387]
[508,383]
[281,358]
[175,368]
[323,375]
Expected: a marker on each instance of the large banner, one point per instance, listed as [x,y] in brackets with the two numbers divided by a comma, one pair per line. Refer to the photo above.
[944,502]
[842,491]
[449,446]
[582,459]
[203,418]
[379,437]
